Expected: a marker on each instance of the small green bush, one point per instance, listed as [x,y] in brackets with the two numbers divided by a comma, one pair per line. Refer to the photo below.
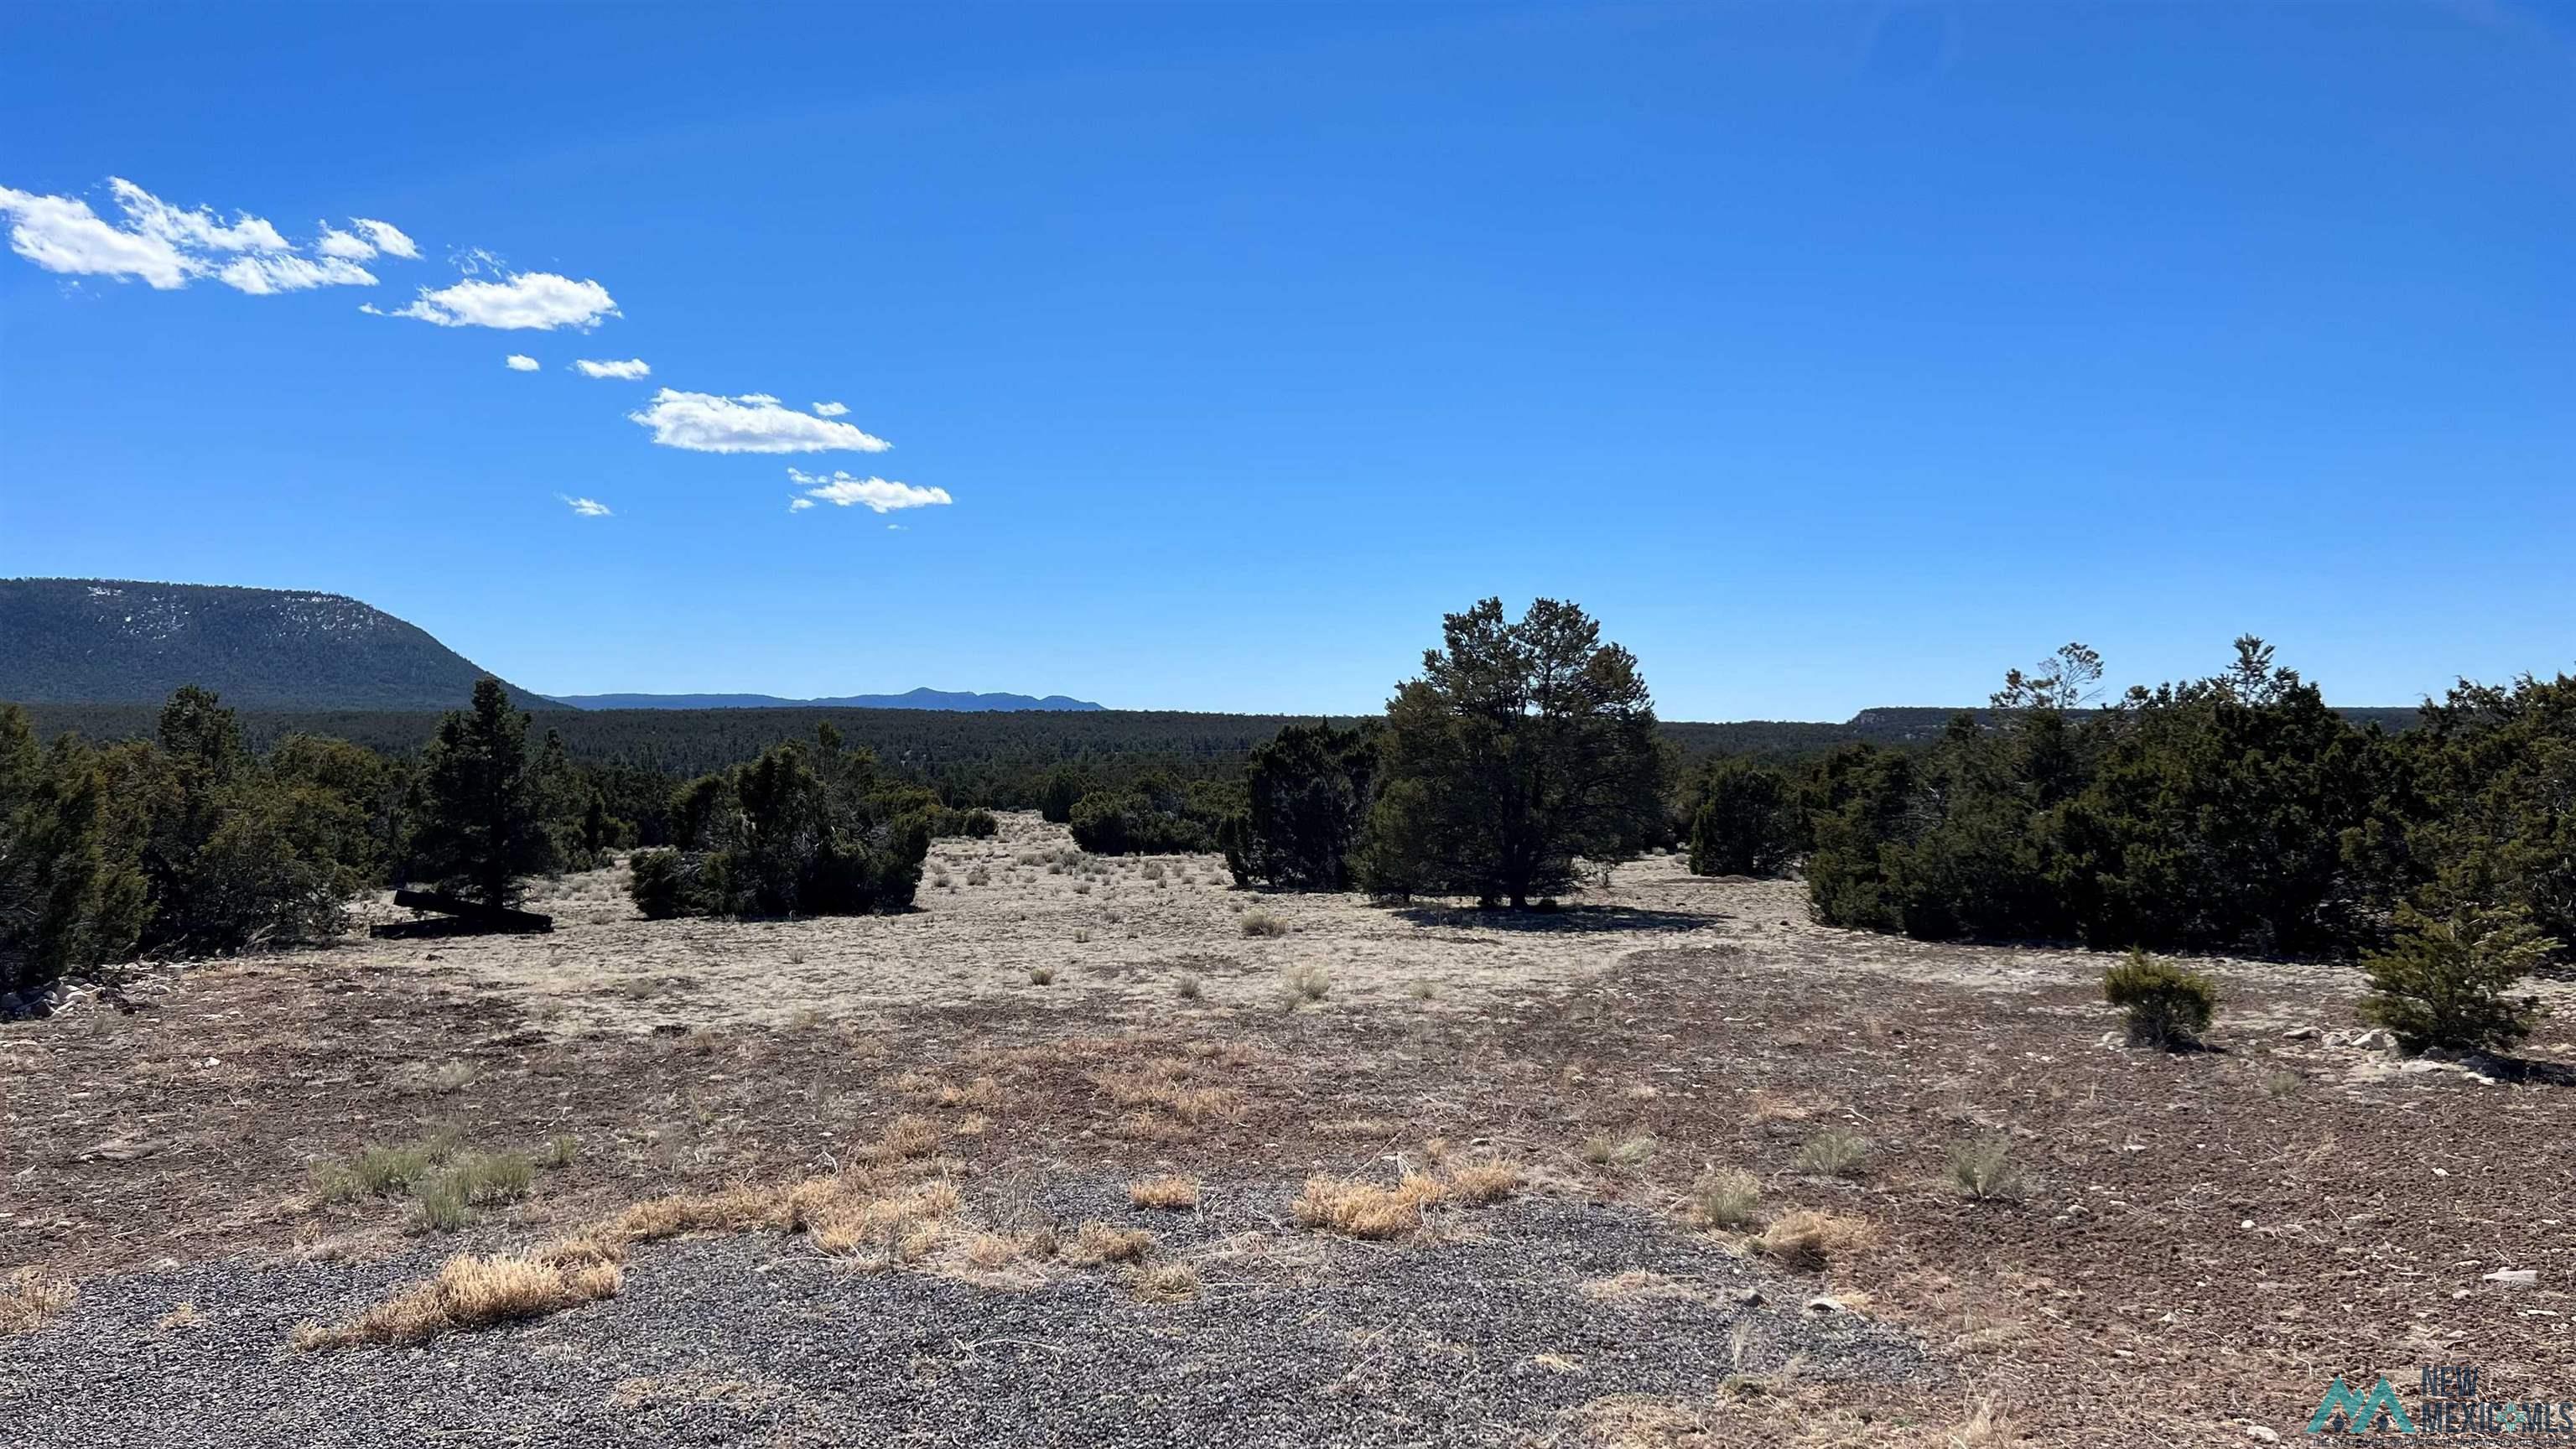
[1724,1197]
[1983,1171]
[2168,1006]
[1835,1152]
[2445,981]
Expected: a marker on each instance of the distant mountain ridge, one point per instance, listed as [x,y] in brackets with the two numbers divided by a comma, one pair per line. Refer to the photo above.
[127,641]
[910,699]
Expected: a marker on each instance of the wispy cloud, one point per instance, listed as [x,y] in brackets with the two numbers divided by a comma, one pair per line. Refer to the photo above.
[585,507]
[629,370]
[520,362]
[364,239]
[752,423]
[267,273]
[388,238]
[831,410]
[874,493]
[521,301]
[166,247]
[799,505]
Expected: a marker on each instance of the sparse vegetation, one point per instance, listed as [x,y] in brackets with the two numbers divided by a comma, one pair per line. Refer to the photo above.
[1983,1170]
[1632,1149]
[30,1297]
[2168,1007]
[1169,1192]
[1723,1197]
[474,1292]
[1305,983]
[1258,922]
[1364,1210]
[1835,1152]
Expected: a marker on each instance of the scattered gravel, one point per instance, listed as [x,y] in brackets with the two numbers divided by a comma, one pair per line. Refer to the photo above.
[1482,1337]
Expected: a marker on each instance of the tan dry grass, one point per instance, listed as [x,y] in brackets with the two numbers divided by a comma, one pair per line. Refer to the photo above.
[31,1297]
[1170,1192]
[471,1292]
[1807,1240]
[1363,1209]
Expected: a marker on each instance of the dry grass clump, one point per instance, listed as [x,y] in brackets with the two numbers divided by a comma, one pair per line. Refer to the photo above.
[1484,1180]
[1983,1171]
[1365,1210]
[1834,1152]
[1806,1240]
[30,1297]
[887,1230]
[1165,1283]
[1305,983]
[1723,1197]
[183,1316]
[1258,922]
[1602,1149]
[1170,1192]
[1098,1242]
[909,1135]
[472,1292]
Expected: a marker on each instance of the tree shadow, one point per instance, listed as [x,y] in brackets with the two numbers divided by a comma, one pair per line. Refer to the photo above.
[1569,920]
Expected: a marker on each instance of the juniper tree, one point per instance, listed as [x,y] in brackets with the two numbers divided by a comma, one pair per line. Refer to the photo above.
[1523,745]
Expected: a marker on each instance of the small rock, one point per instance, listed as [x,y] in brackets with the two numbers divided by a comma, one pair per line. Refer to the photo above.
[2515,1277]
[1823,1303]
[2377,1039]
[2262,1434]
[2302,1033]
[1747,1297]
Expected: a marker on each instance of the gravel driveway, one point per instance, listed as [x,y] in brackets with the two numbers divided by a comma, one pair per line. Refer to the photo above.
[1484,1338]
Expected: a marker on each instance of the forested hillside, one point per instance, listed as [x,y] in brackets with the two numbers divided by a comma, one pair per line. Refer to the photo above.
[120,641]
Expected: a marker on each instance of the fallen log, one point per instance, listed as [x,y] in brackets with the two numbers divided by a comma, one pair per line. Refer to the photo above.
[464,918]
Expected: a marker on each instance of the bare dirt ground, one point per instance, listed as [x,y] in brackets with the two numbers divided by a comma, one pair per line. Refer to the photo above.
[2199,1242]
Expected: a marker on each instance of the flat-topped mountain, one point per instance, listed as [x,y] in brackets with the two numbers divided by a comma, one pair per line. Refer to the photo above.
[119,641]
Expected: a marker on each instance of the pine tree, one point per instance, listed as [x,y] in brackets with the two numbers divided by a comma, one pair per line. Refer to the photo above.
[485,807]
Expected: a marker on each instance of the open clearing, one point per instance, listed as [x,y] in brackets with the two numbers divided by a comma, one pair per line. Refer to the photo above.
[2194,1244]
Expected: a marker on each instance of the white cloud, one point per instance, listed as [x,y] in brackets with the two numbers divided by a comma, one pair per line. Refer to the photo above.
[874,493]
[629,370]
[799,505]
[264,274]
[586,507]
[61,234]
[154,217]
[520,362]
[348,246]
[753,423]
[540,301]
[168,246]
[388,238]
[831,410]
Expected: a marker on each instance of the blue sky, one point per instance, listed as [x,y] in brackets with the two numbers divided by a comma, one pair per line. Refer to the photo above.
[1832,356]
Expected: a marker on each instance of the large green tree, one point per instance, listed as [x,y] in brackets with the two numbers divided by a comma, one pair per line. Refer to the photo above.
[68,896]
[1524,745]
[486,805]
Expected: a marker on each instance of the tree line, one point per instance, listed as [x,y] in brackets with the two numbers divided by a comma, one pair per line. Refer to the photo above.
[2235,813]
